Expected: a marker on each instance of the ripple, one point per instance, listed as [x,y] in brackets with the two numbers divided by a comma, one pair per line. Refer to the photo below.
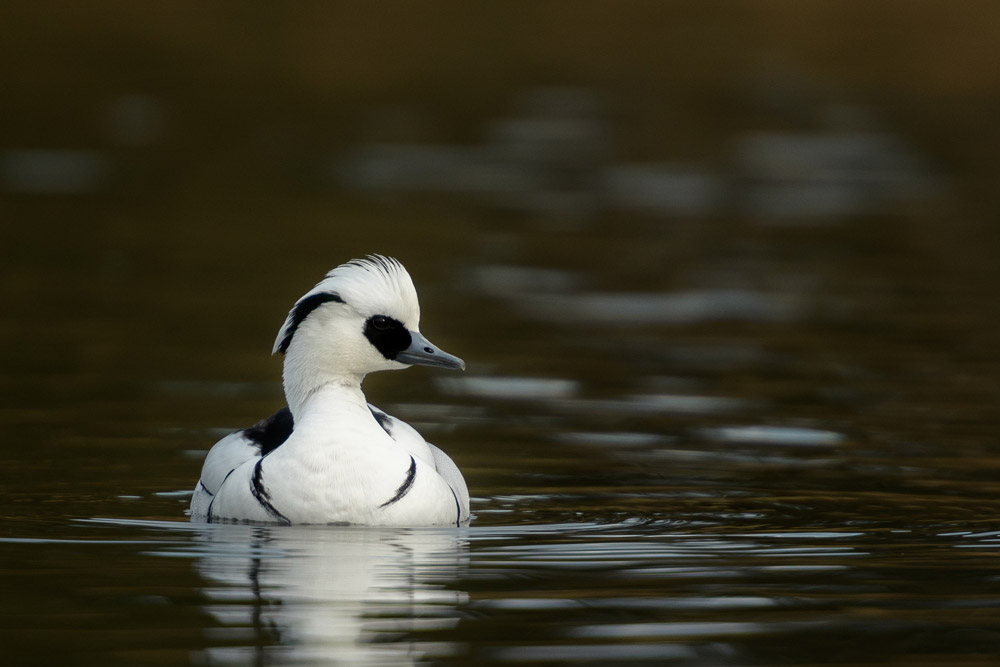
[509,388]
[787,436]
[616,652]
[623,440]
[668,630]
[628,309]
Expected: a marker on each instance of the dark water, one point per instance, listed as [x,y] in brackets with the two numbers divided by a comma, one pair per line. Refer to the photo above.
[733,393]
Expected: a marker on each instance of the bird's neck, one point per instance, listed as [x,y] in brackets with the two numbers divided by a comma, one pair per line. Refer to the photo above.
[308,387]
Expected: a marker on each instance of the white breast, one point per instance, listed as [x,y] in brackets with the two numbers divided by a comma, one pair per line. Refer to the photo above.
[343,463]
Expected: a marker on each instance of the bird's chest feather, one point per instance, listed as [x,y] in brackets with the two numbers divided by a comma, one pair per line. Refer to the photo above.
[334,479]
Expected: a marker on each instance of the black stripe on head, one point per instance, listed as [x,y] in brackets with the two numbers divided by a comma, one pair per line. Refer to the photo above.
[301,311]
[388,335]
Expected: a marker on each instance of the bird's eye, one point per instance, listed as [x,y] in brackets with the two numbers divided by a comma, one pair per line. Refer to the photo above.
[381,322]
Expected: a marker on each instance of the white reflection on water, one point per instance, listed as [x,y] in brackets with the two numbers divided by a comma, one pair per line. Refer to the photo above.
[775,435]
[691,307]
[509,388]
[626,592]
[329,595]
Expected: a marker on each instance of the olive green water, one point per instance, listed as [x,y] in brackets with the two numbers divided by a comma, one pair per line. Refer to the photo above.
[725,286]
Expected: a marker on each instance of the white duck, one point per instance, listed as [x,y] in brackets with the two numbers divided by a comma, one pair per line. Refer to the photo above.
[330,457]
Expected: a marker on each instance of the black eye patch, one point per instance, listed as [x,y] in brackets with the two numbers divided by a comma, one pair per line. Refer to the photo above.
[387,334]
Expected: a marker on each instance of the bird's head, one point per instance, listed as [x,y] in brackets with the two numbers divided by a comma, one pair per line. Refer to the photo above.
[362,317]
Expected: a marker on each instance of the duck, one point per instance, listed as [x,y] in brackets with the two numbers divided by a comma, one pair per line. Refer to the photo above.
[329,456]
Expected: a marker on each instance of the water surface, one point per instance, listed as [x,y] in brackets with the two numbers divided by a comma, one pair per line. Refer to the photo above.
[731,325]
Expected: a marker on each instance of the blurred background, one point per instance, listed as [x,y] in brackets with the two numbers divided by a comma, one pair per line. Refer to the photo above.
[567,182]
[730,264]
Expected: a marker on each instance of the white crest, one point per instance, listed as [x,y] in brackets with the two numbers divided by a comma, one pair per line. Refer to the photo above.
[376,285]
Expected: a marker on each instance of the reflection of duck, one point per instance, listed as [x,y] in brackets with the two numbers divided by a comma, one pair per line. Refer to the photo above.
[344,596]
[329,457]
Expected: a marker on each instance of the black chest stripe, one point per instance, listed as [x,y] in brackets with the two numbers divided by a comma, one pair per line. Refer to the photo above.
[384,420]
[263,496]
[404,488]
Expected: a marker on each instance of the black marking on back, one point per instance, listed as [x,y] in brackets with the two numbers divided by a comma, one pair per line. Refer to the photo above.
[301,311]
[268,434]
[263,496]
[384,420]
[404,488]
[388,335]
